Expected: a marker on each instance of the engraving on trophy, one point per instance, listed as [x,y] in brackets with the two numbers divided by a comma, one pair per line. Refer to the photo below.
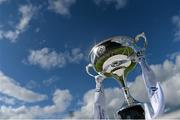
[101,49]
[116,64]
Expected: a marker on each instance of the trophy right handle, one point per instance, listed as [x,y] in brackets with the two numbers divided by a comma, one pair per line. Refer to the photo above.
[88,67]
[137,39]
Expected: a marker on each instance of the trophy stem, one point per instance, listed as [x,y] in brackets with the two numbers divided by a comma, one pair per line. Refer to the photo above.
[127,96]
[126,92]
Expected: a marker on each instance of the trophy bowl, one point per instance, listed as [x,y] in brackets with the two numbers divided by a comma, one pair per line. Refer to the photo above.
[111,56]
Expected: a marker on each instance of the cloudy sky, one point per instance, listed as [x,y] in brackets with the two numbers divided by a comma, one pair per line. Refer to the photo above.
[44,46]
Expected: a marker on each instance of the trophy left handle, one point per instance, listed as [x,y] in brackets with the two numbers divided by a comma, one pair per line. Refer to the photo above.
[88,69]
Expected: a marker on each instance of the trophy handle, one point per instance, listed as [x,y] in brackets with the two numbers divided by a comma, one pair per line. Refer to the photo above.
[88,67]
[137,38]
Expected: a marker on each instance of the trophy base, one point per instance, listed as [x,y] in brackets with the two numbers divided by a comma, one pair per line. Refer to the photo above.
[131,112]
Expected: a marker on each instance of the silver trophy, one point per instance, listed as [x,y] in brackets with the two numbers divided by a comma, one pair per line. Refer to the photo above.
[116,57]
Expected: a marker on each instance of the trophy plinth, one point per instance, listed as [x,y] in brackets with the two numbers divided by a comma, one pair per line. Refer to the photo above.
[116,57]
[131,112]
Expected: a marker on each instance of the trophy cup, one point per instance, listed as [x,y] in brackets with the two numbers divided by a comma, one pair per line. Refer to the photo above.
[116,57]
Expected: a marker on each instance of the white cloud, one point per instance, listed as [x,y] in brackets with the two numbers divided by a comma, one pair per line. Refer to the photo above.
[176,22]
[50,81]
[47,58]
[32,84]
[172,56]
[172,115]
[11,88]
[11,35]
[61,100]
[2,1]
[61,7]
[118,3]
[75,56]
[1,34]
[27,12]
[168,73]
[7,100]
[114,99]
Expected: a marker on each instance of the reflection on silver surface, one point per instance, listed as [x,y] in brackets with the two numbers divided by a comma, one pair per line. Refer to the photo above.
[116,57]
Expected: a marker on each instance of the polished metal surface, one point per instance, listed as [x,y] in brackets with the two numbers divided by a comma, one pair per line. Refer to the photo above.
[111,56]
[115,57]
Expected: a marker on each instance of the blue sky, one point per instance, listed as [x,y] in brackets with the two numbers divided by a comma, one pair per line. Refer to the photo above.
[44,49]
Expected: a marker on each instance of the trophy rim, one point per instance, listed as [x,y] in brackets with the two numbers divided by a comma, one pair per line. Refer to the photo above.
[108,39]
